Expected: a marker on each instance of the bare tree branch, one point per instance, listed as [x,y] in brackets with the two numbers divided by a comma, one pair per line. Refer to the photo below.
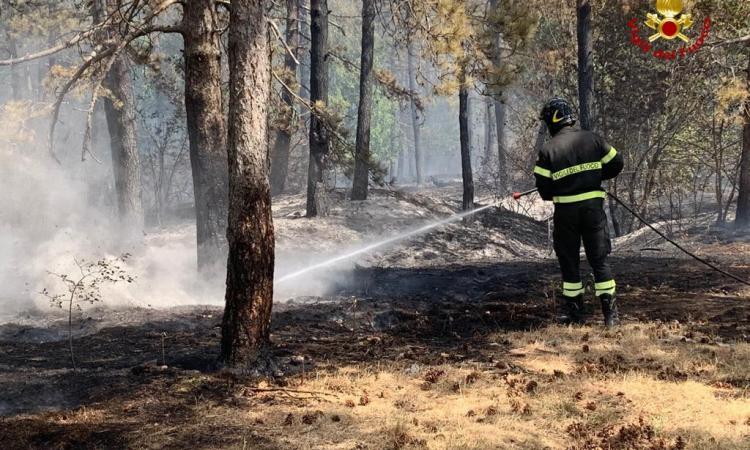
[283,41]
[112,53]
[78,38]
[75,40]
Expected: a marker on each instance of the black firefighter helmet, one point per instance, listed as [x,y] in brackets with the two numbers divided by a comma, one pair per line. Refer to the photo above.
[557,114]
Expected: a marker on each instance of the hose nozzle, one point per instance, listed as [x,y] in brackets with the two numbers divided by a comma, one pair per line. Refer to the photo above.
[518,195]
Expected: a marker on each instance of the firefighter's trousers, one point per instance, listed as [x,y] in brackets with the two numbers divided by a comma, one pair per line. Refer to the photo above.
[583,221]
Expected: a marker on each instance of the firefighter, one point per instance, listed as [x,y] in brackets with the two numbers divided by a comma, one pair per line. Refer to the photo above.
[569,172]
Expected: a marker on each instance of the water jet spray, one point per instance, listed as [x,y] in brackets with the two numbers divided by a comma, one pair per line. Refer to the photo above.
[376,245]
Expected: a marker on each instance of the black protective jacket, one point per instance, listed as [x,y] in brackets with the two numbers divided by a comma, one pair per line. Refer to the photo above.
[573,164]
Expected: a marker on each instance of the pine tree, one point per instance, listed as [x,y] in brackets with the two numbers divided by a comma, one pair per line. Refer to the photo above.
[362,150]
[249,295]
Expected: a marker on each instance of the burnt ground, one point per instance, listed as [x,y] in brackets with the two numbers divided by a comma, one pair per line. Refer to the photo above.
[385,314]
[154,371]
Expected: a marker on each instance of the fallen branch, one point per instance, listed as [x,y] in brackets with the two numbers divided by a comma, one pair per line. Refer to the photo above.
[295,391]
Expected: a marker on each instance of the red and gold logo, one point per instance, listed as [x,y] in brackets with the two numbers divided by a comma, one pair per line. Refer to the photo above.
[669,27]
[669,23]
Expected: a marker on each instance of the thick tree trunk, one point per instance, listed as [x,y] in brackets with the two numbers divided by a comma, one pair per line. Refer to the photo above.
[364,115]
[280,155]
[412,74]
[585,64]
[742,220]
[318,94]
[463,122]
[124,147]
[119,110]
[207,129]
[249,296]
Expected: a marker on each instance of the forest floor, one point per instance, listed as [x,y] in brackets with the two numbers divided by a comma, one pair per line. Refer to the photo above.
[445,341]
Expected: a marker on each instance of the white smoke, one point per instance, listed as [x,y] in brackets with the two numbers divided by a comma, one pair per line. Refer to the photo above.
[52,214]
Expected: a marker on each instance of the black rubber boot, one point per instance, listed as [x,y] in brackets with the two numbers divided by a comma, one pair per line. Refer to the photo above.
[610,311]
[574,309]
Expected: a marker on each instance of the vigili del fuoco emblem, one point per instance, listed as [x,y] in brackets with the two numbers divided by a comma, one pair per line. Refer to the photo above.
[667,24]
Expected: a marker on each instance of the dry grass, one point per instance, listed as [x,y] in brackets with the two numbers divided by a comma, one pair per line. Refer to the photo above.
[645,386]
[558,378]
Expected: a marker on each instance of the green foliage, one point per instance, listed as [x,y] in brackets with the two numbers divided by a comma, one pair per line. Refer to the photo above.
[344,89]
[466,40]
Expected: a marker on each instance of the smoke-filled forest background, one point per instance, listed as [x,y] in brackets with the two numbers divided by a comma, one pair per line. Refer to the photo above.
[680,124]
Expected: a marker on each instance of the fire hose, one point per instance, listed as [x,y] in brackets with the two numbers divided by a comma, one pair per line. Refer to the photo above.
[519,195]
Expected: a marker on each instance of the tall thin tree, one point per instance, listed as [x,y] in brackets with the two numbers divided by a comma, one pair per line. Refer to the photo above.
[415,124]
[742,219]
[282,146]
[465,139]
[11,47]
[304,69]
[319,139]
[43,70]
[364,115]
[584,32]
[499,103]
[249,295]
[119,109]
[488,126]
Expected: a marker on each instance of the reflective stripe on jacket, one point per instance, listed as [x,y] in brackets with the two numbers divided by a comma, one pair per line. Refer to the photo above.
[572,166]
